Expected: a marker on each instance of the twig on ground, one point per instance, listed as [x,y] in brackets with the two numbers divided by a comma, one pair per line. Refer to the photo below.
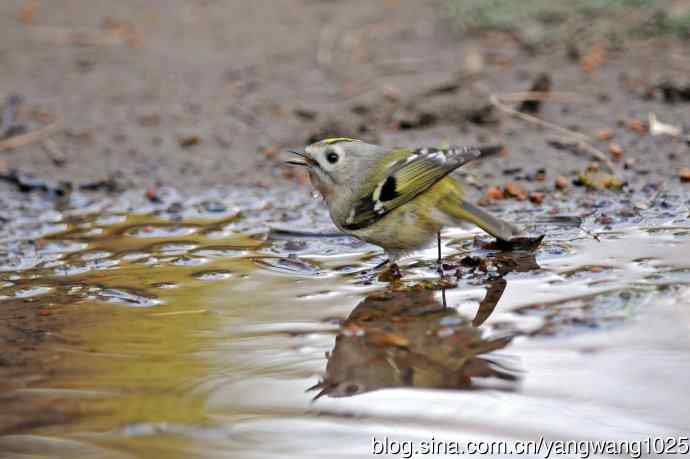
[581,141]
[579,147]
[496,100]
[111,34]
[538,95]
[30,137]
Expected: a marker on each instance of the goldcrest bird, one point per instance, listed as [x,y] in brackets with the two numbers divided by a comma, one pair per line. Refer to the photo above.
[398,199]
[402,346]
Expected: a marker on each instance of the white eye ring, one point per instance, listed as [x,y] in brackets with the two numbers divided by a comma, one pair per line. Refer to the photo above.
[333,155]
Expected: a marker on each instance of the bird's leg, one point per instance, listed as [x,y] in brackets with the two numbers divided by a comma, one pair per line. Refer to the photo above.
[382,264]
[443,296]
[439,267]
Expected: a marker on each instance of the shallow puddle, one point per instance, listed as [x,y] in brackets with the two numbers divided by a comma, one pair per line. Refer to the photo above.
[195,327]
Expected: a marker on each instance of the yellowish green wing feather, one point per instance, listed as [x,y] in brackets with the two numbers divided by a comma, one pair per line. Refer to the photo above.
[409,173]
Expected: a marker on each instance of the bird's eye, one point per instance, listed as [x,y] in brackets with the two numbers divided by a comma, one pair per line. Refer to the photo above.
[332,157]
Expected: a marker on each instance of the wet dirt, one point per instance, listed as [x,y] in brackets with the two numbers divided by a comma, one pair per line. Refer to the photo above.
[207,93]
[193,326]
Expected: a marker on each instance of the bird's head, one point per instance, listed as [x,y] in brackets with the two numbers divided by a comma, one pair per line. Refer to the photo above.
[335,164]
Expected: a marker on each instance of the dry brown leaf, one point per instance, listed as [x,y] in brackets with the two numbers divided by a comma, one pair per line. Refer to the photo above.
[594,58]
[494,193]
[28,12]
[597,179]
[616,151]
[561,182]
[514,190]
[637,125]
[684,174]
[603,134]
[536,197]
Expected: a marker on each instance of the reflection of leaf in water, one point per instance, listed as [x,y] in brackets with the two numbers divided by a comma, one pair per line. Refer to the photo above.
[409,339]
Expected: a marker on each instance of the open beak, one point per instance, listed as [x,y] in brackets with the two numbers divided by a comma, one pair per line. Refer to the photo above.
[306,163]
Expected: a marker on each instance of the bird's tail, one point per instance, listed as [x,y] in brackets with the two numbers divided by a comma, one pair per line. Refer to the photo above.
[489,150]
[500,229]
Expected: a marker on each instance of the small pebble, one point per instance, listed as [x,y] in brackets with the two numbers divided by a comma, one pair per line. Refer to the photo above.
[561,182]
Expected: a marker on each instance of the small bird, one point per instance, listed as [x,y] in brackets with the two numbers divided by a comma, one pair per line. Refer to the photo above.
[398,199]
[409,339]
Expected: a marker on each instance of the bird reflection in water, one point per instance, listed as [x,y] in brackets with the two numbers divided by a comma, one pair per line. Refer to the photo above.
[410,338]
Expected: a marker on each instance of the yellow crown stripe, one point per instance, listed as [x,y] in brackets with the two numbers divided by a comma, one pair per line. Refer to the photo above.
[338,139]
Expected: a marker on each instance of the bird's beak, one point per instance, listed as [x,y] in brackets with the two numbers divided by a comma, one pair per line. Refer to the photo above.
[306,163]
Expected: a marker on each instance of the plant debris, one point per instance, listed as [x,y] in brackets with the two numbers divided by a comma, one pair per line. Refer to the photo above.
[684,174]
[8,124]
[616,151]
[561,182]
[542,84]
[603,134]
[26,183]
[673,92]
[536,197]
[188,141]
[656,127]
[593,177]
[514,190]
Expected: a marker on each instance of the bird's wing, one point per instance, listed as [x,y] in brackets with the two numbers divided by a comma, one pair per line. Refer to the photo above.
[408,177]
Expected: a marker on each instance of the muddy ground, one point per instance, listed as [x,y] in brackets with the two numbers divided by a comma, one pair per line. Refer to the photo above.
[206,94]
[199,94]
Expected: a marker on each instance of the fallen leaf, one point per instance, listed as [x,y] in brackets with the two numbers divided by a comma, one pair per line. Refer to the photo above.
[28,11]
[536,197]
[271,152]
[598,180]
[542,84]
[514,190]
[603,134]
[561,182]
[637,125]
[494,193]
[616,151]
[684,174]
[594,58]
[188,141]
[151,194]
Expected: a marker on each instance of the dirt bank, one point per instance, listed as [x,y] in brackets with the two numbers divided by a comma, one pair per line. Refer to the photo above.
[200,94]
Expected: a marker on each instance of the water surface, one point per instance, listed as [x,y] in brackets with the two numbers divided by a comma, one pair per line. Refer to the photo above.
[193,329]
